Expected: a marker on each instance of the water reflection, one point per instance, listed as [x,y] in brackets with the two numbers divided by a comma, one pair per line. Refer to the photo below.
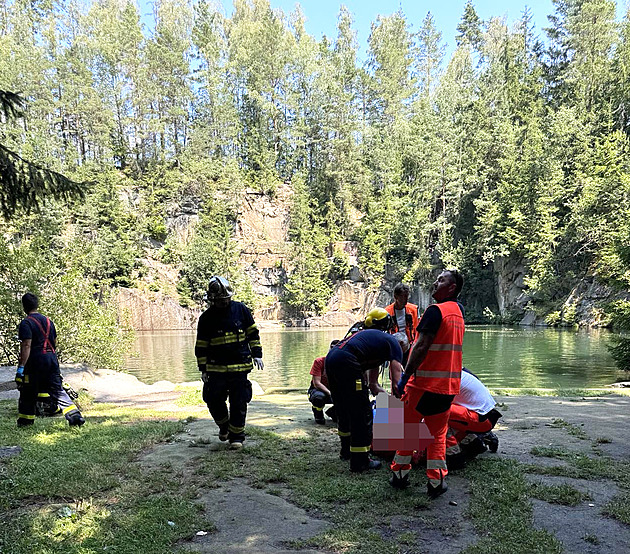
[501,356]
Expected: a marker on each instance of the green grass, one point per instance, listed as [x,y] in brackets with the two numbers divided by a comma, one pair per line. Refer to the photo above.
[565,495]
[501,511]
[190,396]
[571,428]
[79,490]
[619,507]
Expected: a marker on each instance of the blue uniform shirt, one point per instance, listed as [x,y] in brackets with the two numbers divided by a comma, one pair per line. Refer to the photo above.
[372,348]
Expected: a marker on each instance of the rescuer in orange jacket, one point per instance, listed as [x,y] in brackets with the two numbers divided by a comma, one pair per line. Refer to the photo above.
[404,313]
[431,380]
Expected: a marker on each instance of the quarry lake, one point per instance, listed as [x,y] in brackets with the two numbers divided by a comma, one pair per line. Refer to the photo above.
[520,357]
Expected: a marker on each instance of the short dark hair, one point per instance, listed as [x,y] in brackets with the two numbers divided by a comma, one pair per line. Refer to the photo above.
[458,279]
[400,288]
[30,302]
[334,343]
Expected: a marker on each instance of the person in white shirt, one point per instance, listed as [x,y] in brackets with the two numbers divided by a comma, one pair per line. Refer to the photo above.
[472,418]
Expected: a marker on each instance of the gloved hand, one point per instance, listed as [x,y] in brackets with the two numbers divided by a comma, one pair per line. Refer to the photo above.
[204,376]
[19,376]
[400,387]
[258,363]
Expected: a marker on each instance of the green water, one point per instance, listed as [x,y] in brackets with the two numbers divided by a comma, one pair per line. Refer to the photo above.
[500,356]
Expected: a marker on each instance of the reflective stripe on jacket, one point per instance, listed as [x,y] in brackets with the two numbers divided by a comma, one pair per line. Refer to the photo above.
[441,370]
[411,320]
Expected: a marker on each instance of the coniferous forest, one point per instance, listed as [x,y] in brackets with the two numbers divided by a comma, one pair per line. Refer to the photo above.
[515,150]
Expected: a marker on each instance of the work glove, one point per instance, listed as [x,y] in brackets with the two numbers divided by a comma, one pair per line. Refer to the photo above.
[258,363]
[400,387]
[204,376]
[19,377]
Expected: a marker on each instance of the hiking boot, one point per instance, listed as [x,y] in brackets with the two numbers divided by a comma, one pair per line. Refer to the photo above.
[29,422]
[77,421]
[490,440]
[236,445]
[365,466]
[320,420]
[434,492]
[223,434]
[399,482]
[472,445]
[344,454]
[456,461]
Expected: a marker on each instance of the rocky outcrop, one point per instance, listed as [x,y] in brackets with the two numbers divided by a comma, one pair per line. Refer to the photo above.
[585,304]
[152,311]
[510,286]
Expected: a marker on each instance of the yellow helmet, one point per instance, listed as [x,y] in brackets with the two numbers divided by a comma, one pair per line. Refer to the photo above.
[378,318]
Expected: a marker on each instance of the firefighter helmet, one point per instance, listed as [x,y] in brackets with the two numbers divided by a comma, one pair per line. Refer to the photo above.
[378,318]
[219,289]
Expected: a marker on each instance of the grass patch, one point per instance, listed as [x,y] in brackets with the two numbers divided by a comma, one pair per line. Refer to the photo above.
[501,511]
[619,508]
[566,495]
[571,428]
[78,491]
[190,396]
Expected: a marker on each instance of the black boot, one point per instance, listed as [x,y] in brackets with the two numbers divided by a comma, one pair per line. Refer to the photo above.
[332,413]
[434,492]
[360,461]
[490,440]
[399,482]
[472,445]
[344,453]
[318,414]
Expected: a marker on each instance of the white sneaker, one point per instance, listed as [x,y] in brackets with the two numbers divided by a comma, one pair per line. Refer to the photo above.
[236,445]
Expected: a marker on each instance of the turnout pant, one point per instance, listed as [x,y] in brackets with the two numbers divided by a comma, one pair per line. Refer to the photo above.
[434,409]
[351,399]
[318,399]
[233,385]
[43,378]
[463,421]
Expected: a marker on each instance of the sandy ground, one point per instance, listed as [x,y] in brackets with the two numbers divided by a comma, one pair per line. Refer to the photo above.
[262,522]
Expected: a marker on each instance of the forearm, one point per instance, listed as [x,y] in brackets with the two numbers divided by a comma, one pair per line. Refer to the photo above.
[419,352]
[317,383]
[25,352]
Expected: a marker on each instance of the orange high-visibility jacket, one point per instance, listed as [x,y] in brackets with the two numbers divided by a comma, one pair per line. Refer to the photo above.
[441,370]
[411,320]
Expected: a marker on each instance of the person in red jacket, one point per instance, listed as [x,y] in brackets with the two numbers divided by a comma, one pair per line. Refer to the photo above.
[318,391]
[431,380]
[404,313]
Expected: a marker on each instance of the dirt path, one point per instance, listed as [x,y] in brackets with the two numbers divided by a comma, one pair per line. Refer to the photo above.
[251,520]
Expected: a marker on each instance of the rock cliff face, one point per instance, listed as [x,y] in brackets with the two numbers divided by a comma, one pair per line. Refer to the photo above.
[154,311]
[509,286]
[585,304]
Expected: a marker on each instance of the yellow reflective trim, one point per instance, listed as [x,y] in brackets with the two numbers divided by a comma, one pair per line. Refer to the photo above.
[251,329]
[43,395]
[221,422]
[318,409]
[228,338]
[255,343]
[359,449]
[202,360]
[26,416]
[234,429]
[343,433]
[201,343]
[69,409]
[233,367]
[359,384]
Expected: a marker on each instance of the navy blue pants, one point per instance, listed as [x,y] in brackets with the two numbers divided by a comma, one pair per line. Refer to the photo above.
[236,387]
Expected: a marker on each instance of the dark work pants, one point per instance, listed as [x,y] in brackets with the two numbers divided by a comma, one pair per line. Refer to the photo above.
[318,399]
[42,376]
[236,387]
[351,398]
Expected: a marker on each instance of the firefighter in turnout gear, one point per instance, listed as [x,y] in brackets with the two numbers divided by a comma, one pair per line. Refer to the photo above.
[227,348]
[346,366]
[431,380]
[38,375]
